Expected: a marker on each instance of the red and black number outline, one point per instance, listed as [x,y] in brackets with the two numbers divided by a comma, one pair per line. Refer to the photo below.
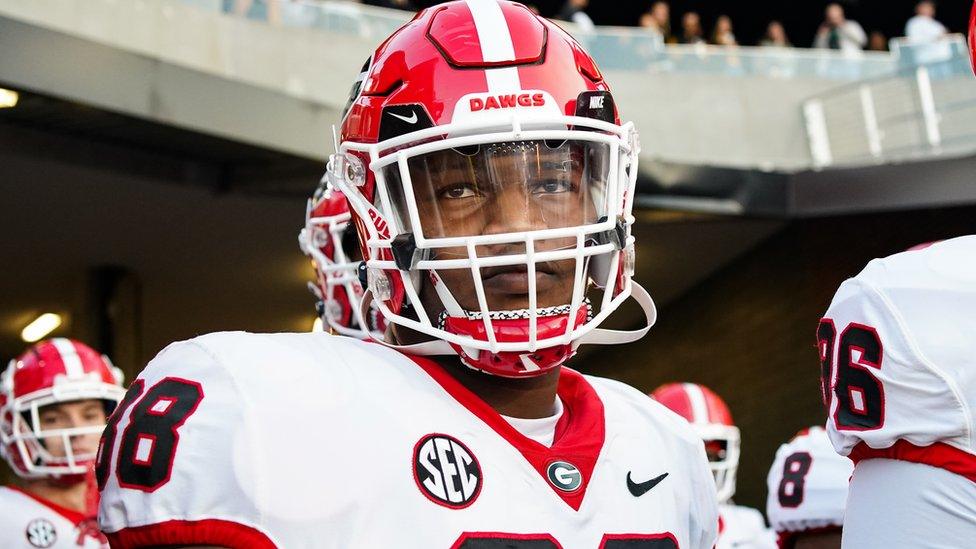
[639,541]
[798,478]
[856,375]
[826,336]
[501,540]
[107,443]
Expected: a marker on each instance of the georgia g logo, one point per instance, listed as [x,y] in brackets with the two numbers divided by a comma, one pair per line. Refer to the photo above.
[564,476]
[41,533]
[446,471]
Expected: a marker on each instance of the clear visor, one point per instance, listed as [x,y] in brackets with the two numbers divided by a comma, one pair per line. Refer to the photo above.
[501,188]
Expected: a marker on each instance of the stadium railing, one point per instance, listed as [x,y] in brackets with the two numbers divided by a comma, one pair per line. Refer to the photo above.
[618,48]
[925,109]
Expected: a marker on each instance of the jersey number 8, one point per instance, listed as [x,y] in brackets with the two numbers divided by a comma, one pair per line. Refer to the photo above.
[149,441]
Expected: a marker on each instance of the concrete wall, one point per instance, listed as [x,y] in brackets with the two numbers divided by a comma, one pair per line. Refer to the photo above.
[716,120]
[283,87]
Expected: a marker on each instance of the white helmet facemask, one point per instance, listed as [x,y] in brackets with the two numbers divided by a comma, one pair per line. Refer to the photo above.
[510,229]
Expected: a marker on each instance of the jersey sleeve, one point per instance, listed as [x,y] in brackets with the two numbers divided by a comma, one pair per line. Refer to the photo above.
[174,466]
[884,395]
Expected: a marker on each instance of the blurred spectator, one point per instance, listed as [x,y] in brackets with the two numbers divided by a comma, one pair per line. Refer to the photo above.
[291,13]
[923,27]
[691,29]
[398,4]
[877,41]
[722,35]
[573,11]
[658,21]
[776,36]
[839,33]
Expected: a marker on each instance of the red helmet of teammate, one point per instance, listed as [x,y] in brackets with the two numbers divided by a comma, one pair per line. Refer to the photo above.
[711,419]
[473,108]
[51,372]
[328,240]
[972,36]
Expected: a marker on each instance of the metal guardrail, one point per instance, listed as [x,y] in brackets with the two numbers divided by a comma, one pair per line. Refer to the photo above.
[921,110]
[634,49]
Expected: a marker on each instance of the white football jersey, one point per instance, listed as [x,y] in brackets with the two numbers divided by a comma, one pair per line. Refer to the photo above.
[900,353]
[807,484]
[30,522]
[742,528]
[898,350]
[318,441]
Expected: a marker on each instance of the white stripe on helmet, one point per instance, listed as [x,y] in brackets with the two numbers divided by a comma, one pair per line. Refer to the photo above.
[699,408]
[496,45]
[69,356]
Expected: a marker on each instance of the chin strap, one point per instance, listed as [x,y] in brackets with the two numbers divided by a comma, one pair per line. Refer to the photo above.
[598,336]
[603,336]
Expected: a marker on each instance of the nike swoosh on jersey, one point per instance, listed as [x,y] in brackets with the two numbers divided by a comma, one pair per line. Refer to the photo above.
[638,489]
[412,119]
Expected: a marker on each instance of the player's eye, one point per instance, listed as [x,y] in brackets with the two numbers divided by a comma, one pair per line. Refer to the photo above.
[551,186]
[457,190]
[50,419]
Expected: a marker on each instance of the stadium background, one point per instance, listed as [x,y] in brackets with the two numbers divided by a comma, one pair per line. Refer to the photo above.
[140,229]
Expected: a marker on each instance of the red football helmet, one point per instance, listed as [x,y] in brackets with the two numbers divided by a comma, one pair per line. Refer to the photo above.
[52,372]
[711,419]
[972,36]
[326,240]
[483,157]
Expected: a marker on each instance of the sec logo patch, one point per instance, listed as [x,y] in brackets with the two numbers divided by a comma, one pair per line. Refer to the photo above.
[446,471]
[41,533]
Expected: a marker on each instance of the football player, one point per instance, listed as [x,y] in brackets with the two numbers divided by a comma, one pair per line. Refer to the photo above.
[491,183]
[897,368]
[711,419]
[330,241]
[808,492]
[53,403]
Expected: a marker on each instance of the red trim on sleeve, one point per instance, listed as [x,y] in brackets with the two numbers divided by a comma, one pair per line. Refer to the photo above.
[939,455]
[221,533]
[787,539]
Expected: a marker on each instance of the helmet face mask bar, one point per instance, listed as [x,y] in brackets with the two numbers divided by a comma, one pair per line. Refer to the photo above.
[52,373]
[722,446]
[21,431]
[440,226]
[492,184]
[325,240]
[709,417]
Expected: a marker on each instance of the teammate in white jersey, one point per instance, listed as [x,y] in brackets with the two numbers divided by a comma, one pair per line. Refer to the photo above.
[808,492]
[53,403]
[711,419]
[898,363]
[491,183]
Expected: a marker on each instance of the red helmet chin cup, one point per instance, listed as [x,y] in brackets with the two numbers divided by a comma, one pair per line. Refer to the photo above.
[511,363]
